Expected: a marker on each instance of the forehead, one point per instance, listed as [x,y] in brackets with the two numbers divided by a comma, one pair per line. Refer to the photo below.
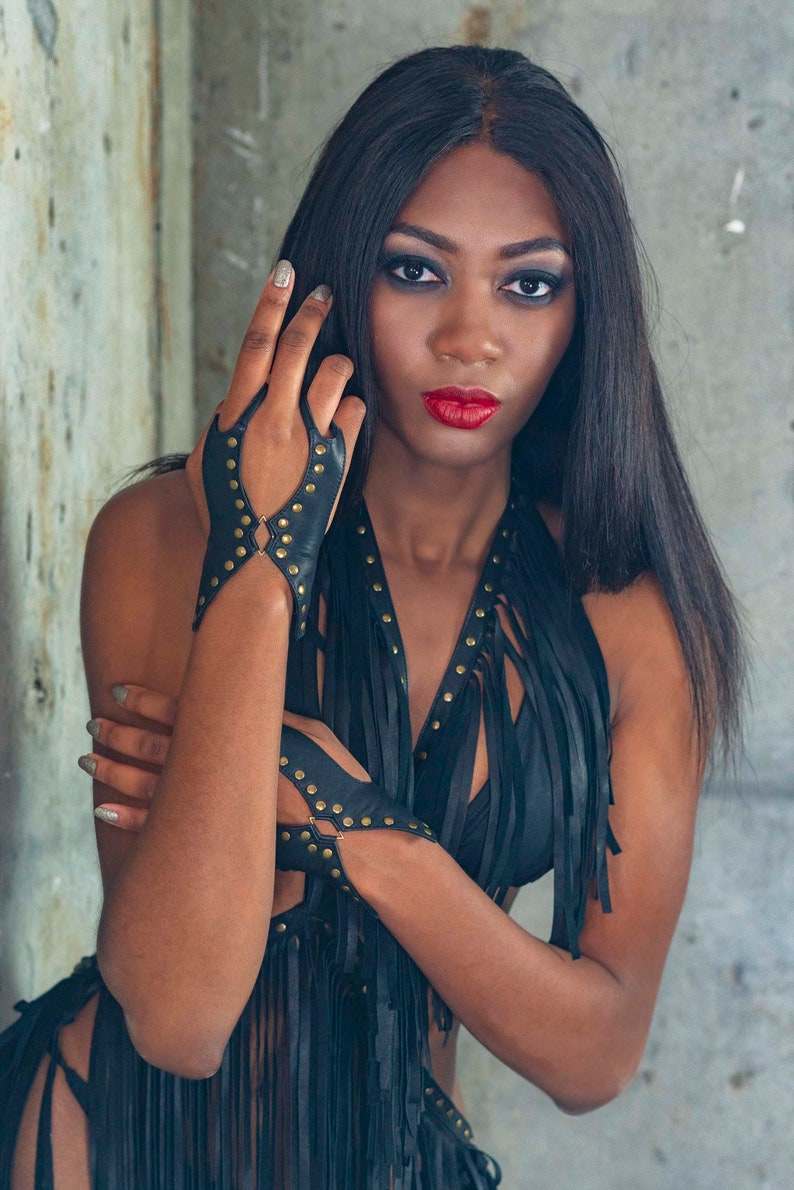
[477,194]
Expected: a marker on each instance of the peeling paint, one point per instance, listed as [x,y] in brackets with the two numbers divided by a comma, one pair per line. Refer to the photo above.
[45,22]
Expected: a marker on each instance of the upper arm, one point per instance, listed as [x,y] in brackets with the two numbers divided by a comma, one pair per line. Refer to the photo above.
[140,575]
[656,773]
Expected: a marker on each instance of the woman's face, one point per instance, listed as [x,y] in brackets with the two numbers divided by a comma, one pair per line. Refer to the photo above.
[474,293]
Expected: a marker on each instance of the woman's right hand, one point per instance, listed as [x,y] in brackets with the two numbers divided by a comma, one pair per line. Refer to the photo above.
[275,448]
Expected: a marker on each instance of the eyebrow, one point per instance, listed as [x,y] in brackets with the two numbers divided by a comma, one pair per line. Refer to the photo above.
[507,252]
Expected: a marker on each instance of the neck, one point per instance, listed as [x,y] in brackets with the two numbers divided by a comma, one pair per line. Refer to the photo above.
[433,517]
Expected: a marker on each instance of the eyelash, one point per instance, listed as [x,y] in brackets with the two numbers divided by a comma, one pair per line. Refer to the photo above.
[389,263]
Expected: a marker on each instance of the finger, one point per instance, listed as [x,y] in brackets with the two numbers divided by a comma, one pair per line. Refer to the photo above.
[150,746]
[125,818]
[349,418]
[151,704]
[293,351]
[123,778]
[325,391]
[257,348]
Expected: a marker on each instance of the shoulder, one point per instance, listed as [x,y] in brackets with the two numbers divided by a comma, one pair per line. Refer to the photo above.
[141,572]
[637,637]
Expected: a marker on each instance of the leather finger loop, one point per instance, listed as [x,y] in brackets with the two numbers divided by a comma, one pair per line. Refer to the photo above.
[333,796]
[296,531]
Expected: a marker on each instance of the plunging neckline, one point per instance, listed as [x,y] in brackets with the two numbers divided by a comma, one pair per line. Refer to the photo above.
[470,638]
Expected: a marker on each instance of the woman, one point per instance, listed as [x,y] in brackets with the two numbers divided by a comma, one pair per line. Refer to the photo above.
[371,739]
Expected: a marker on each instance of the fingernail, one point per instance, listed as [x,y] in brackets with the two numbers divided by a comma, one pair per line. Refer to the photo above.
[322,293]
[87,764]
[282,274]
[119,693]
[93,728]
[106,815]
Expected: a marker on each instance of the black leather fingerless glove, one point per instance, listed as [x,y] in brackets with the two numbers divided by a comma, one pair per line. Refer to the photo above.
[333,795]
[296,531]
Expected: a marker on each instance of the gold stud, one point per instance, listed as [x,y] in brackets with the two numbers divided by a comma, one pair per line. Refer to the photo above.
[312,848]
[293,569]
[414,826]
[303,625]
[286,538]
[301,589]
[439,1103]
[428,830]
[319,805]
[450,1112]
[428,1090]
[285,835]
[230,463]
[233,484]
[239,504]
[497,559]
[283,760]
[299,774]
[386,618]
[366,821]
[238,533]
[394,649]
[460,669]
[303,609]
[297,508]
[337,808]
[434,726]
[231,441]
[346,888]
[467,1132]
[311,789]
[306,835]
[319,449]
[377,586]
[448,696]
[489,587]
[281,552]
[241,551]
[310,488]
[281,927]
[202,600]
[389,821]
[228,565]
[318,468]
[282,522]
[470,641]
[361,529]
[505,533]
[348,821]
[327,853]
[422,756]
[245,520]
[370,558]
[335,873]
[213,582]
[459,1123]
[479,612]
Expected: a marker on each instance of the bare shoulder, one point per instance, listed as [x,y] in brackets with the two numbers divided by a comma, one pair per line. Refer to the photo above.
[141,573]
[637,636]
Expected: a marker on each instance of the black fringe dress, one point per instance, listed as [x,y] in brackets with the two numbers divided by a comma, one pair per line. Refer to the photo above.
[326,1082]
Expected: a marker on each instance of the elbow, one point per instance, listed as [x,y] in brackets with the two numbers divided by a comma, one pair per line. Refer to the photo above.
[588,1094]
[187,1056]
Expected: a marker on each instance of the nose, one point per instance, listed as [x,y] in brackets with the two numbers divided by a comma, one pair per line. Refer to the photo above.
[463,329]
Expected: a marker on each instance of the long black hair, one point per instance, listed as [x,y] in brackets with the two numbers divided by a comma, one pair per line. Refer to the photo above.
[599,444]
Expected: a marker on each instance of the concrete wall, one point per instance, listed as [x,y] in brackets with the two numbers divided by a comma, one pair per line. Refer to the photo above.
[96,377]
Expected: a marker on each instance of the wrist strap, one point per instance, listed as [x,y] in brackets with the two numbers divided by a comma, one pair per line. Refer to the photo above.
[296,530]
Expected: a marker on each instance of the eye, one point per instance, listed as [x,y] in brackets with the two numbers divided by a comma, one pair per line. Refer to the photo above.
[534,287]
[413,268]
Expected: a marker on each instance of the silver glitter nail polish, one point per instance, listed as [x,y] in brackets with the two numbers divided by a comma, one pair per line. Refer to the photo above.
[282,274]
[321,294]
[106,815]
[93,728]
[119,693]
[88,765]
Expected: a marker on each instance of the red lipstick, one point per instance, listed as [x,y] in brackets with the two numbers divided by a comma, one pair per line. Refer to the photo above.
[461,408]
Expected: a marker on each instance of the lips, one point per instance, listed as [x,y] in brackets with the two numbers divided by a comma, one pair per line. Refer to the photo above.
[461,408]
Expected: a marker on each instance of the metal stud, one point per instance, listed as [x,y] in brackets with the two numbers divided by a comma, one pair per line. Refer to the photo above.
[202,600]
[233,484]
[306,835]
[370,558]
[346,888]
[239,504]
[366,821]
[238,533]
[319,449]
[489,587]
[427,830]
[213,582]
[310,488]
[377,586]
[303,625]
[286,538]
[245,520]
[497,559]
[286,835]
[434,726]
[318,468]
[281,927]
[312,848]
[231,464]
[448,696]
[335,873]
[228,565]
[422,756]
[470,641]
[414,826]
[361,530]
[241,551]
[312,789]
[479,612]
[348,821]
[282,522]
[389,821]
[337,808]
[327,853]
[505,533]
[293,569]
[319,805]
[460,669]
[299,774]
[301,589]
[283,760]
[386,618]
[394,649]
[231,441]
[281,552]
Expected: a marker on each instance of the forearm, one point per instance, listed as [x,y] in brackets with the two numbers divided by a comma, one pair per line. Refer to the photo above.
[562,1024]
[184,927]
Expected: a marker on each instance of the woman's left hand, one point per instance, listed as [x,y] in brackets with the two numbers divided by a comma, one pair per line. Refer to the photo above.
[143,753]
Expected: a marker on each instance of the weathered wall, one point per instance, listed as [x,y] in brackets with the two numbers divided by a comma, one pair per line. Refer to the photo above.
[697,104]
[95,368]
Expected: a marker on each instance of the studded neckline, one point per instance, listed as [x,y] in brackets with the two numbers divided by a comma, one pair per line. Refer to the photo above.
[470,638]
